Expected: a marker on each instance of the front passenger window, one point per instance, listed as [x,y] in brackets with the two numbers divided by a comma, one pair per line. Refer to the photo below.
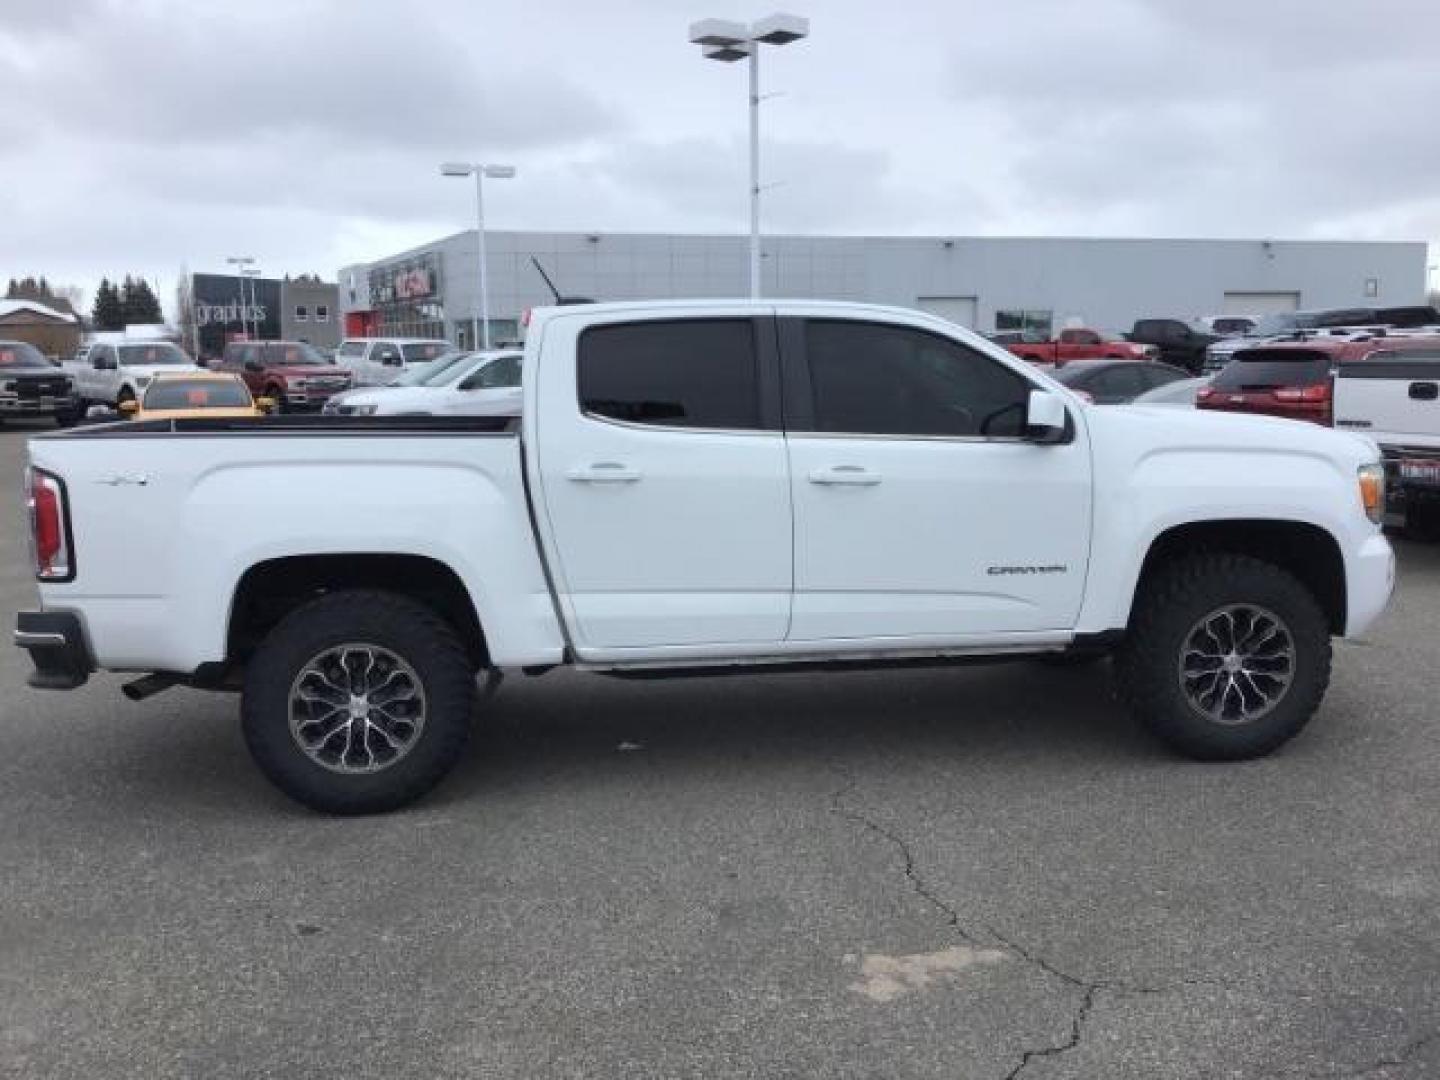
[874,379]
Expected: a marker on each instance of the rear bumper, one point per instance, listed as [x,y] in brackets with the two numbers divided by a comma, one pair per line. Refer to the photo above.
[56,643]
[1371,576]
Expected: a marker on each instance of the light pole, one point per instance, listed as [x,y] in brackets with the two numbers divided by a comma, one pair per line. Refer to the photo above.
[480,172]
[241,261]
[252,273]
[720,39]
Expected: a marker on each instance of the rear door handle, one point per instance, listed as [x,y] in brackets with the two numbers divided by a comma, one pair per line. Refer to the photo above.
[856,475]
[603,472]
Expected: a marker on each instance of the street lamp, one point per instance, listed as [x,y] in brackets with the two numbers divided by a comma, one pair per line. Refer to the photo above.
[720,39]
[242,261]
[480,172]
[252,273]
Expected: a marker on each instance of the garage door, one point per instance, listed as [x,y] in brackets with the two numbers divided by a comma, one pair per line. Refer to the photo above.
[958,309]
[1256,305]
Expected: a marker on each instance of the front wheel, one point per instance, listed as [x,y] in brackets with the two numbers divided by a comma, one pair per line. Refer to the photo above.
[1226,657]
[358,702]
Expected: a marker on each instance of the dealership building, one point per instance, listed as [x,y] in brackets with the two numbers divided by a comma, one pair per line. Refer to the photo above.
[987,283]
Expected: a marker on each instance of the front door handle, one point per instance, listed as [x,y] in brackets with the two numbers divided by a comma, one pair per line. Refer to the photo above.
[857,475]
[603,472]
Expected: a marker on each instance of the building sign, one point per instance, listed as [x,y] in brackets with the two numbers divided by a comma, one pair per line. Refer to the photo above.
[412,279]
[228,306]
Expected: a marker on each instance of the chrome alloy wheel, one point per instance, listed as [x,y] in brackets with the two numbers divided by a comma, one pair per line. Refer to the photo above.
[1237,663]
[356,708]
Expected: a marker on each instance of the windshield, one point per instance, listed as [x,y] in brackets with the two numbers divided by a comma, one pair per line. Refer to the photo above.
[300,354]
[21,354]
[198,394]
[424,351]
[156,352]
[499,372]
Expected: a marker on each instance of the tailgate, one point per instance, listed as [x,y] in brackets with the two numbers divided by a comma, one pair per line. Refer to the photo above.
[1394,398]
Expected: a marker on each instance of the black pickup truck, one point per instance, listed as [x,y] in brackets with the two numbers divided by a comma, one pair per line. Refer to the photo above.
[1180,344]
[32,386]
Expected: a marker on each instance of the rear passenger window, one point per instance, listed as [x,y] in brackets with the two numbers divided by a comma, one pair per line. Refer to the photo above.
[692,373]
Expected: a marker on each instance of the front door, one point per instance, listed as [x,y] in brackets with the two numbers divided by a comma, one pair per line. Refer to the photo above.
[921,511]
[665,482]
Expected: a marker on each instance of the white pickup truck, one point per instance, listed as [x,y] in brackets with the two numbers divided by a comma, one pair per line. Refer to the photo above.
[1394,398]
[110,373]
[702,487]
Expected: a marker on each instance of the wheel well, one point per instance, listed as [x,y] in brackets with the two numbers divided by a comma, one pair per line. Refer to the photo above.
[269,591]
[1307,551]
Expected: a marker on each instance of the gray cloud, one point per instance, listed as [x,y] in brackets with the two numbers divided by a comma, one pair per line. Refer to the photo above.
[307,132]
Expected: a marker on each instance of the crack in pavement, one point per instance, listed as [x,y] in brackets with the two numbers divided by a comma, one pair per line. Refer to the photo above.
[1088,989]
[1398,1061]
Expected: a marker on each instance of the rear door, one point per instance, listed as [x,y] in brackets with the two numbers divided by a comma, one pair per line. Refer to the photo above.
[922,514]
[664,479]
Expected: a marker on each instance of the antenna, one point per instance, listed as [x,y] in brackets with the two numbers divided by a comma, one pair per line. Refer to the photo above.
[548,283]
[560,301]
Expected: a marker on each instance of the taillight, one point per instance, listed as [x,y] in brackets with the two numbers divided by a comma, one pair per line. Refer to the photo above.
[1318,393]
[1205,393]
[49,526]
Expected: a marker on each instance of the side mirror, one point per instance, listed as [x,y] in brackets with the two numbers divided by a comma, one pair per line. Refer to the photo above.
[128,408]
[391,360]
[1046,420]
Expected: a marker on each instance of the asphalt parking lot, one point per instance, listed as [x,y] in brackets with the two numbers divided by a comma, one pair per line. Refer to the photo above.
[962,873]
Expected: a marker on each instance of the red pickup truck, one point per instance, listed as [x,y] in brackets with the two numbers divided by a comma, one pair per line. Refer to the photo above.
[296,375]
[1081,343]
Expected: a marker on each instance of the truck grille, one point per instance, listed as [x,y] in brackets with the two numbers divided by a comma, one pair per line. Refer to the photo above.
[30,389]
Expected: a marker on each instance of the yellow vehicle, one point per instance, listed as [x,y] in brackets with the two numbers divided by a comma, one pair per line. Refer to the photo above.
[189,393]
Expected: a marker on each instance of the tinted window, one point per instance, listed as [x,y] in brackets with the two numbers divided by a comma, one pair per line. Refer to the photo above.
[695,373]
[1160,375]
[20,354]
[1401,317]
[353,348]
[197,394]
[1346,317]
[425,350]
[1262,369]
[293,353]
[892,380]
[501,372]
[157,353]
[1121,381]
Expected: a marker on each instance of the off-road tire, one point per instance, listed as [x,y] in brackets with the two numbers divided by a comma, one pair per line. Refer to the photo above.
[1169,604]
[388,621]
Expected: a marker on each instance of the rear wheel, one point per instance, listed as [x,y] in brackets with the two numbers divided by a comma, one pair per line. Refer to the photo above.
[1226,656]
[358,702]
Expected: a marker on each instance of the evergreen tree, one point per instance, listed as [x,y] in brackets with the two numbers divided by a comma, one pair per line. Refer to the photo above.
[10,290]
[108,313]
[139,302]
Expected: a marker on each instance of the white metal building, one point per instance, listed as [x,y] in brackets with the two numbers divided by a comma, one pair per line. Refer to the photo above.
[984,282]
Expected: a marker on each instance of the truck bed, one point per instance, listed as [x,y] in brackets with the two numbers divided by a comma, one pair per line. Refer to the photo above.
[164,520]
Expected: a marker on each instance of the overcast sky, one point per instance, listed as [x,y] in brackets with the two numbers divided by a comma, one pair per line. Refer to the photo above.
[146,134]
